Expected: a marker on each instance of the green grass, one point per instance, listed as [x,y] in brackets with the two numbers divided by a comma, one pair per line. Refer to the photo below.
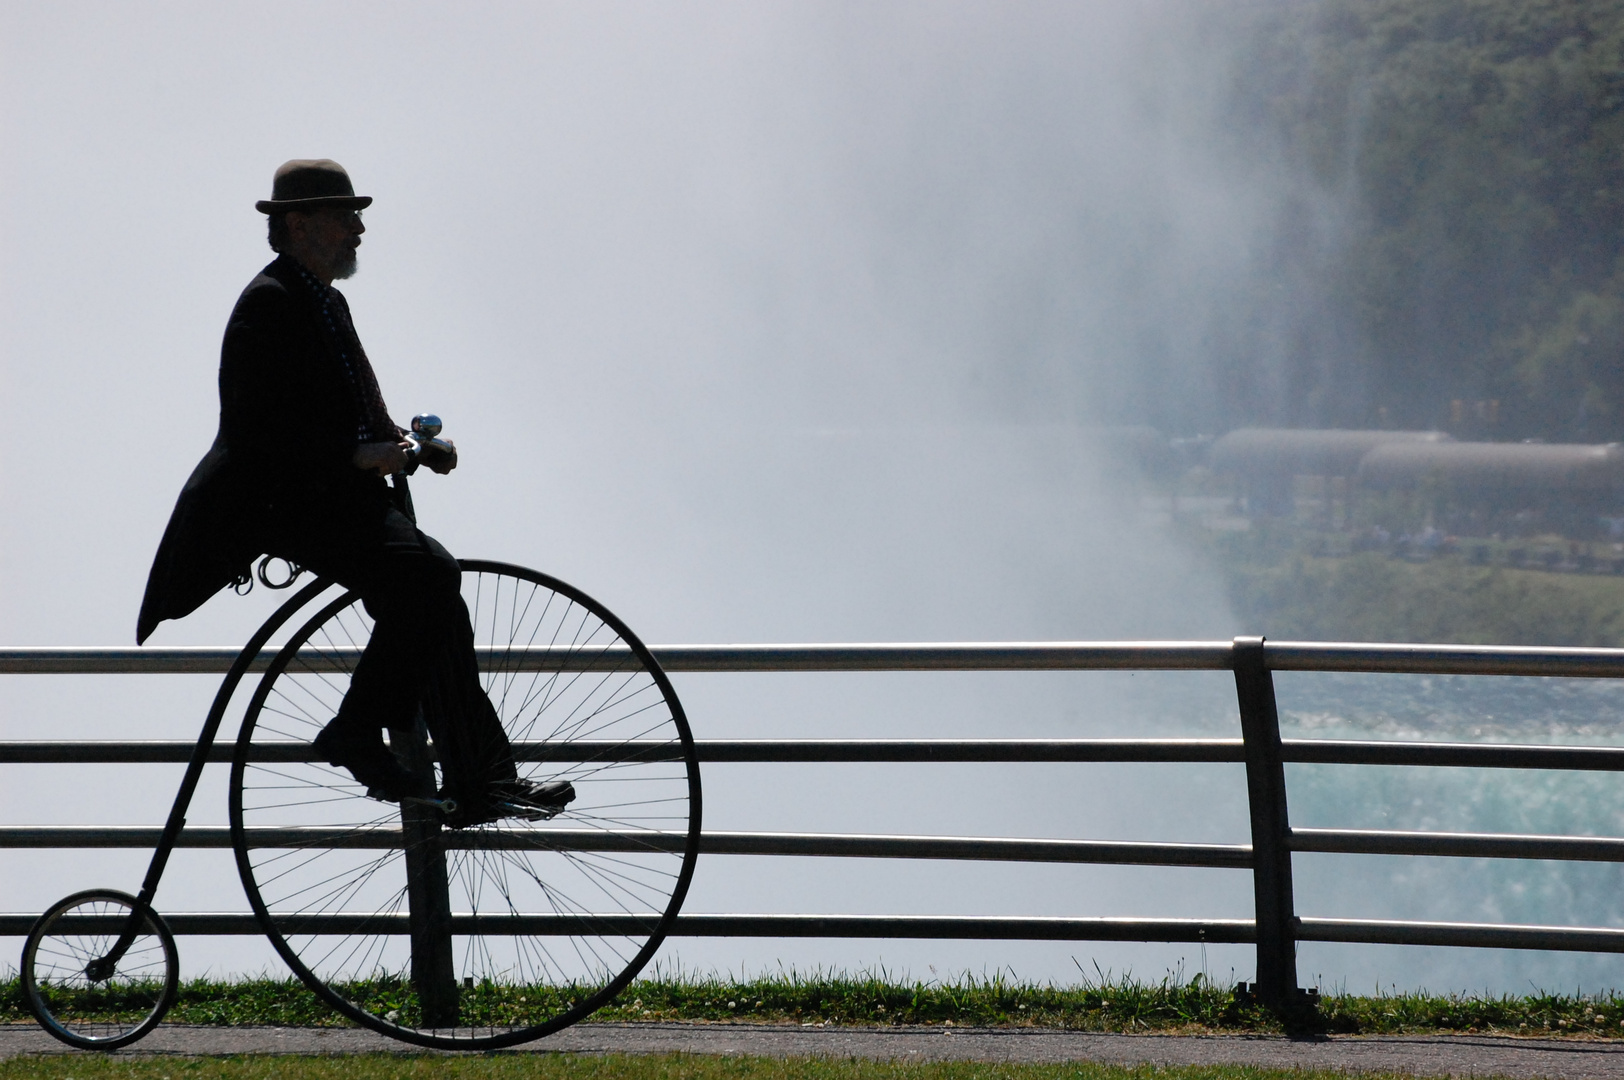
[615,1067]
[1119,1005]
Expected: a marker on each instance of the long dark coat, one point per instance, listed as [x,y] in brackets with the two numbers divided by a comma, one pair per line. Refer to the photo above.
[288,423]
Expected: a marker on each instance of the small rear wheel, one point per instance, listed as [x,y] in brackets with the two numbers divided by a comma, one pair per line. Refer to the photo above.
[76,993]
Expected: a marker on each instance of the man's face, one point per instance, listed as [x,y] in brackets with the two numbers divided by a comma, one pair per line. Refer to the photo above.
[325,240]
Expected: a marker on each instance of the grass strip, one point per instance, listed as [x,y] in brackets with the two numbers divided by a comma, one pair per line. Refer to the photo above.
[1280,581]
[618,1067]
[1108,1004]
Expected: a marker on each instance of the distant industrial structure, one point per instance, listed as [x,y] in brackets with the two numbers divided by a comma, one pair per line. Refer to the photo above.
[1471,488]
[1267,463]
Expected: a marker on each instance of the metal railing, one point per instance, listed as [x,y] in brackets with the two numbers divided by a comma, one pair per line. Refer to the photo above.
[1276,928]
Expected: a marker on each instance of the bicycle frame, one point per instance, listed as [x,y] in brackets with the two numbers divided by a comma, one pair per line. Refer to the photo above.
[103,966]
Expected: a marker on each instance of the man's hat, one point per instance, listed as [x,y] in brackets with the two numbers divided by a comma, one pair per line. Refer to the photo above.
[304,184]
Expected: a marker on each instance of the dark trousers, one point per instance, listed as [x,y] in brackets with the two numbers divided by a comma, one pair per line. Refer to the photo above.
[421,653]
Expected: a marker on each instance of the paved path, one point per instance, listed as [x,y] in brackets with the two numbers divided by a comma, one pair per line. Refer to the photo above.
[1432,1055]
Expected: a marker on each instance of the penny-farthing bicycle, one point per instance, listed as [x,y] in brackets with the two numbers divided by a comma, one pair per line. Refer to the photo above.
[461,938]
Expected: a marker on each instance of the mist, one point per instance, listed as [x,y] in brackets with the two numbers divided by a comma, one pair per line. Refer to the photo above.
[760,322]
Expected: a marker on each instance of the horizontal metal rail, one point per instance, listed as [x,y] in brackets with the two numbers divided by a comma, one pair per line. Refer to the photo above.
[711,751]
[1461,935]
[854,846]
[1445,659]
[837,845]
[950,656]
[1460,845]
[903,656]
[1466,755]
[708,750]
[1006,928]
[846,845]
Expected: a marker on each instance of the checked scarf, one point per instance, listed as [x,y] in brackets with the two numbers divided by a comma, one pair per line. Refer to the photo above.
[372,415]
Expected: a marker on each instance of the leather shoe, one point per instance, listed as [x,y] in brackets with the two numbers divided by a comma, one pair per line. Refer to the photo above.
[532,801]
[524,799]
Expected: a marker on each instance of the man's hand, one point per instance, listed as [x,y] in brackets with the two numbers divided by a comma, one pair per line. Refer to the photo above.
[383,458]
[441,461]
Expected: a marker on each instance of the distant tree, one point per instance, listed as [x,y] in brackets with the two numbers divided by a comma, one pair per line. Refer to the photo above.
[1472,152]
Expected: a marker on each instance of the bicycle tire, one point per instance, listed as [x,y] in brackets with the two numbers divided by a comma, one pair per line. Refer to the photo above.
[565,911]
[107,1013]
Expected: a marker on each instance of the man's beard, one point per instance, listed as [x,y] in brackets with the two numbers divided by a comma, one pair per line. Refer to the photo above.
[344,264]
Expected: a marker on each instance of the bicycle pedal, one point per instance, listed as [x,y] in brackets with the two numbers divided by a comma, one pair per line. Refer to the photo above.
[444,806]
[526,813]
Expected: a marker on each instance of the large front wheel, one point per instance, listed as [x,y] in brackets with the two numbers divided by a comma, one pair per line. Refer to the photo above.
[482,935]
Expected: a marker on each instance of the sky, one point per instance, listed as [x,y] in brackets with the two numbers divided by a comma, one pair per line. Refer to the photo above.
[761,322]
[612,245]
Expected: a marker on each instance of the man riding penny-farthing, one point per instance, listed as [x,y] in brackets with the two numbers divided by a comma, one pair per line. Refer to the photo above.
[464,800]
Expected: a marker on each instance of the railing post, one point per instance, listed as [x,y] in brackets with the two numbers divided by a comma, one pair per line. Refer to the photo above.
[428,892]
[1266,795]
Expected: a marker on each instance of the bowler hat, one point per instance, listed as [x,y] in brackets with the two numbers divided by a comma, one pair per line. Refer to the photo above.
[306,184]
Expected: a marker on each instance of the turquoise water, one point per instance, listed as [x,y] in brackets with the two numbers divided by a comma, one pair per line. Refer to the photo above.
[1457,708]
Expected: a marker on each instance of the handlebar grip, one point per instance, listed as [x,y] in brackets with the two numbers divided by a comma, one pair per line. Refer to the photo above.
[419,445]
